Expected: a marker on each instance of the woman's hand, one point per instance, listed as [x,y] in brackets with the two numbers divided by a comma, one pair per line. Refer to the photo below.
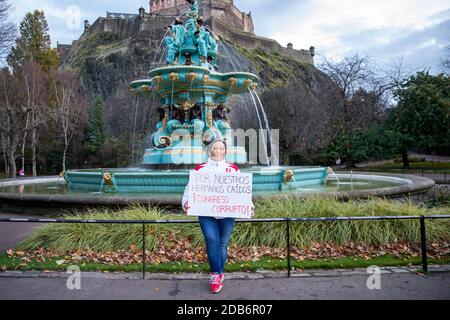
[253,211]
[186,207]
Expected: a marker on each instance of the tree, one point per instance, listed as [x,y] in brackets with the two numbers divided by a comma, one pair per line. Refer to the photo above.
[14,112]
[70,109]
[377,142]
[422,118]
[350,74]
[31,60]
[367,92]
[96,124]
[34,80]
[445,63]
[121,114]
[94,135]
[306,122]
[33,43]
[22,100]
[362,102]
[4,143]
[7,29]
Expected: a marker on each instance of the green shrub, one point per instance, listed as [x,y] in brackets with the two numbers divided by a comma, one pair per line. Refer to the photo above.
[100,237]
[339,232]
[120,237]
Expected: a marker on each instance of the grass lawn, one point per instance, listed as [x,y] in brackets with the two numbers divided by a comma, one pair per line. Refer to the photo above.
[103,238]
[266,263]
[175,241]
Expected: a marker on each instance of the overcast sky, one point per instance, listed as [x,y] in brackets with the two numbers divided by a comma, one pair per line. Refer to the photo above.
[416,30]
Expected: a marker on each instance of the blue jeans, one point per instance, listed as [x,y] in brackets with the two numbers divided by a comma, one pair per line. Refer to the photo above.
[217,233]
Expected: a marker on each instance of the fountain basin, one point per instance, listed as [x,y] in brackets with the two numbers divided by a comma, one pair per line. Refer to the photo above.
[195,83]
[40,195]
[181,154]
[175,181]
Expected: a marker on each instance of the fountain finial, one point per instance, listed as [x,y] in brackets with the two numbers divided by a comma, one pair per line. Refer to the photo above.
[194,8]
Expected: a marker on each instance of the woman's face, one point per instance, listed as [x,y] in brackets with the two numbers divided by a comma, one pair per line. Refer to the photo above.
[218,151]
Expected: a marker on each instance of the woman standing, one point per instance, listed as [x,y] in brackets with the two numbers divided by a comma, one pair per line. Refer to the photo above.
[216,231]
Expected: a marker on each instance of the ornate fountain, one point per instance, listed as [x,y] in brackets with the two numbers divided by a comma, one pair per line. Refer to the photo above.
[192,96]
[192,114]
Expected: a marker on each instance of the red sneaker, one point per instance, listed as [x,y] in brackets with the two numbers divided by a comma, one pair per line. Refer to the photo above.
[221,278]
[215,284]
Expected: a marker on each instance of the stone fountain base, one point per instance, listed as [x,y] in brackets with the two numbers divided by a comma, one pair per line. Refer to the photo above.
[174,181]
[14,197]
[187,157]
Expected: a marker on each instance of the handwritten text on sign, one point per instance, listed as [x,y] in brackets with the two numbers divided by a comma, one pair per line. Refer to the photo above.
[222,195]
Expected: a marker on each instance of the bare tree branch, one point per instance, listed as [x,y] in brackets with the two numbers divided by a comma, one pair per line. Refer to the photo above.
[70,107]
[7,29]
[445,63]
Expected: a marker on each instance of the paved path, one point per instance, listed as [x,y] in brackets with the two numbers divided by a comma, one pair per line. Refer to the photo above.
[440,178]
[350,286]
[13,233]
[396,283]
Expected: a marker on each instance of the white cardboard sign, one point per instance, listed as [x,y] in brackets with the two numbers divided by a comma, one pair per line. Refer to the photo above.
[221,195]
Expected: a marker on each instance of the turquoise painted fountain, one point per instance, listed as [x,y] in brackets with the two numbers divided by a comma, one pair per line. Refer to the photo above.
[192,114]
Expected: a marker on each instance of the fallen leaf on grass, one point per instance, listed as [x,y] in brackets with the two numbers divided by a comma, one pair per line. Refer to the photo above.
[22,265]
[237,254]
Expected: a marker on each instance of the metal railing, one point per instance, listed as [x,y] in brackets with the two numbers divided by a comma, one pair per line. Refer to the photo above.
[288,221]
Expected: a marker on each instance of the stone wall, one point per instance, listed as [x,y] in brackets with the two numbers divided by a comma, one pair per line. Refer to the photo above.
[224,10]
[250,41]
[127,28]
[124,28]
[149,29]
[162,8]
[63,50]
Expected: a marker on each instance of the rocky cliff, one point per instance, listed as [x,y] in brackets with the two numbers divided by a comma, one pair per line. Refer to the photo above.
[107,62]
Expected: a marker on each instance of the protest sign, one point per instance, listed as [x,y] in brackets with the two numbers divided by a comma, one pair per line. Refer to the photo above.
[221,195]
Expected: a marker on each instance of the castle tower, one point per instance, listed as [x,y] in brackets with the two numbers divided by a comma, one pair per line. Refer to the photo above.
[223,10]
[141,12]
